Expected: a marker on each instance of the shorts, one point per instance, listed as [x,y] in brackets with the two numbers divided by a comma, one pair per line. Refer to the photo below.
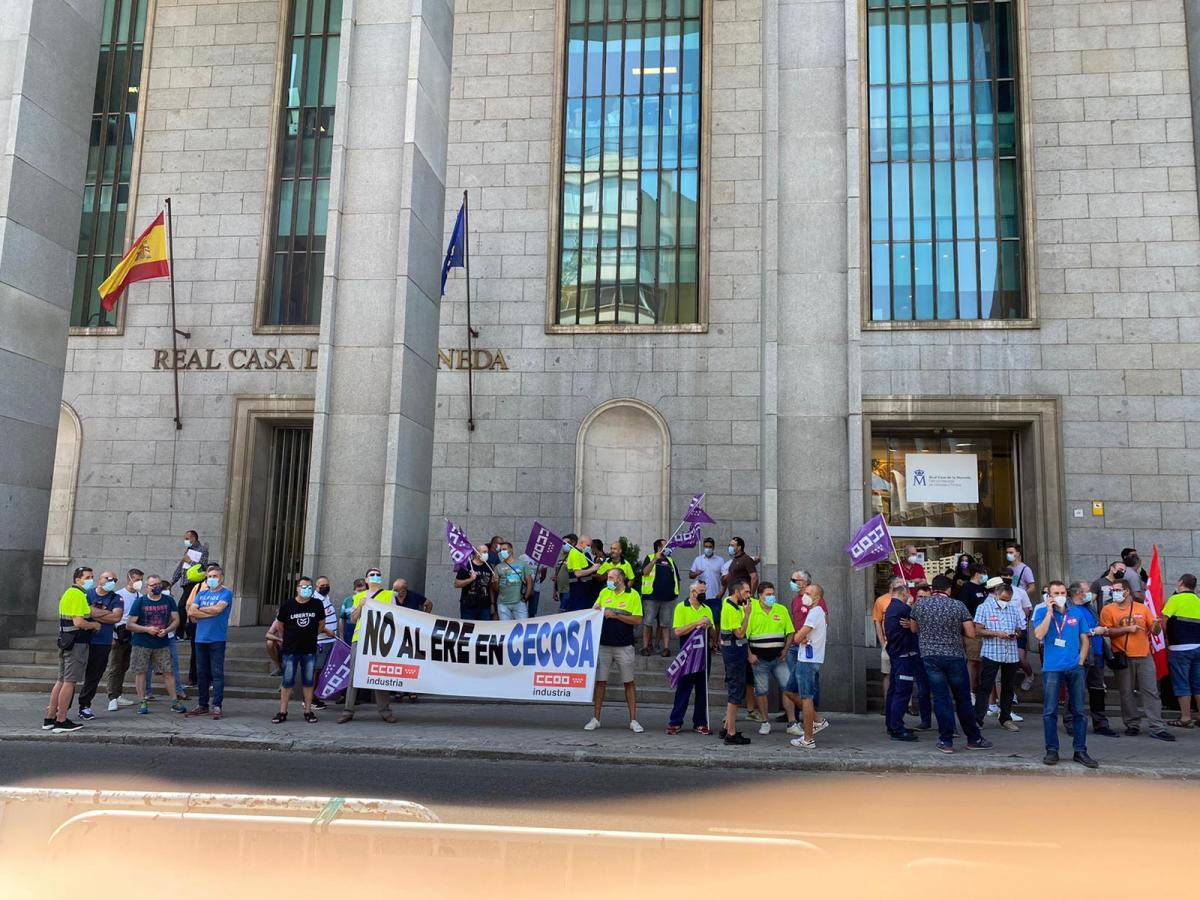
[885,661]
[304,663]
[73,663]
[141,658]
[764,669]
[972,646]
[807,678]
[658,613]
[622,656]
[1185,672]
[1023,639]
[324,648]
[734,657]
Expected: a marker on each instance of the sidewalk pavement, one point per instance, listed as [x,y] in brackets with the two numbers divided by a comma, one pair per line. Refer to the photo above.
[554,732]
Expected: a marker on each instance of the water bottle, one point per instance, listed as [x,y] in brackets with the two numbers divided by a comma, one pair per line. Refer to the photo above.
[808,651]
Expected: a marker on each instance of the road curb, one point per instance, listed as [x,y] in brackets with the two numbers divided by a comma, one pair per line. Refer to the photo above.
[815,762]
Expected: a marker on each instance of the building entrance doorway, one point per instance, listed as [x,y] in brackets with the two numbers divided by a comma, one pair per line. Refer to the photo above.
[285,504]
[979,522]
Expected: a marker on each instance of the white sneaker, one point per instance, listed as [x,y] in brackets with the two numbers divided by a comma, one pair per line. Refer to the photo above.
[818,727]
[112,705]
[802,743]
[1027,684]
[592,724]
[634,725]
[1016,718]
[121,701]
[764,728]
[796,729]
[993,709]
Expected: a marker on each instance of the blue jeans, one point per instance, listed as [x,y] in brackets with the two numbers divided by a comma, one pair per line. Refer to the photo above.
[1051,683]
[475,613]
[303,664]
[534,601]
[210,665]
[951,688]
[764,669]
[1185,672]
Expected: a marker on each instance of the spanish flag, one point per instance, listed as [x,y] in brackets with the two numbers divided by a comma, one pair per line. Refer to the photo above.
[146,259]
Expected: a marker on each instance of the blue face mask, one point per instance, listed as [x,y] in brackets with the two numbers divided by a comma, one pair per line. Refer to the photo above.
[186,543]
[213,582]
[503,555]
[612,585]
[110,586]
[375,579]
[708,551]
[795,587]
[732,550]
[306,591]
[89,584]
[667,552]
[768,600]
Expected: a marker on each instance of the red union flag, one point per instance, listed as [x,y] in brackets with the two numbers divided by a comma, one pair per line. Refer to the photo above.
[1154,602]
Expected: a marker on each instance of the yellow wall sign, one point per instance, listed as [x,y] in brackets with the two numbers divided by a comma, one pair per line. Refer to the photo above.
[1097,507]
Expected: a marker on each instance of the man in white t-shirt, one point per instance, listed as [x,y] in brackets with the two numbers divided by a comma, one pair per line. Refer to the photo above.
[810,640]
[708,567]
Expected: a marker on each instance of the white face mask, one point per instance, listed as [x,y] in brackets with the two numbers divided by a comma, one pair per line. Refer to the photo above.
[1060,602]
[1002,603]
[912,560]
[1118,596]
[137,587]
[806,600]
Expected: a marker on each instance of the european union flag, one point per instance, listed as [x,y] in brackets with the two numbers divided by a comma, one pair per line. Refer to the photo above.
[456,251]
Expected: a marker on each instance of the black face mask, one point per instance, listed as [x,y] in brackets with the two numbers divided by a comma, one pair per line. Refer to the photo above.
[156,591]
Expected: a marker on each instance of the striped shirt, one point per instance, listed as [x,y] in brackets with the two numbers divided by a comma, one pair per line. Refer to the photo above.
[331,621]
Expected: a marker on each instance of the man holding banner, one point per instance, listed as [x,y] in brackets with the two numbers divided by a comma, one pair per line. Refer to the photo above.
[622,613]
[383,699]
[694,626]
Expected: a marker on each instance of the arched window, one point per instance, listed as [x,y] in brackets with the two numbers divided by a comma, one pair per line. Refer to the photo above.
[623,466]
[62,489]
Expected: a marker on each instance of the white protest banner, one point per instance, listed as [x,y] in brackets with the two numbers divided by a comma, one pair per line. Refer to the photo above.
[548,658]
[942,477]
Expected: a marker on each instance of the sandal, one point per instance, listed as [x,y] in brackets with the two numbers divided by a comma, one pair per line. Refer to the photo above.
[1182,723]
[279,718]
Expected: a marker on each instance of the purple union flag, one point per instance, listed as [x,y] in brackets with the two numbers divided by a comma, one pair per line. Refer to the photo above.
[543,546]
[335,677]
[690,658]
[461,548]
[872,544]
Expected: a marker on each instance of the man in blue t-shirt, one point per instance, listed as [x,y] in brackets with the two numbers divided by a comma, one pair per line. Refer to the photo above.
[210,609]
[1066,643]
[108,607]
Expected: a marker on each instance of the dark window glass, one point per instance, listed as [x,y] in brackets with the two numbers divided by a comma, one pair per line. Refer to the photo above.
[945,166]
[629,230]
[110,158]
[301,211]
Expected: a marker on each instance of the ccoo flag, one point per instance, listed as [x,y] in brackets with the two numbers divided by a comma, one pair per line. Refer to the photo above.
[456,250]
[461,548]
[696,514]
[543,546]
[688,538]
[147,258]
[690,658]
[872,543]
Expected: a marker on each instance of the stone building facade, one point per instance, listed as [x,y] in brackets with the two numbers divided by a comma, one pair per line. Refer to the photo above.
[788,400]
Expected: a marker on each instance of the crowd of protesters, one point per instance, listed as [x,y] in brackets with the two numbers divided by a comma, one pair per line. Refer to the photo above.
[955,646]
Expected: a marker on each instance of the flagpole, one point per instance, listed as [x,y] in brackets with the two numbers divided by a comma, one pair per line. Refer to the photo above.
[470,330]
[174,327]
[895,552]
